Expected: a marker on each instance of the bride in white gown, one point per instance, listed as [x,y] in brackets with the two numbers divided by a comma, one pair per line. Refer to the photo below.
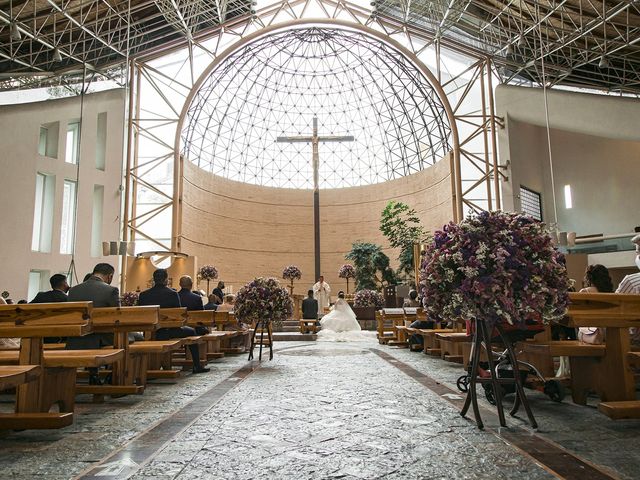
[340,324]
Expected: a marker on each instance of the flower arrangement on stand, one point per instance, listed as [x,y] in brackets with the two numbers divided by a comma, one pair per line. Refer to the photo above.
[208,273]
[130,299]
[291,273]
[368,298]
[347,271]
[497,270]
[263,302]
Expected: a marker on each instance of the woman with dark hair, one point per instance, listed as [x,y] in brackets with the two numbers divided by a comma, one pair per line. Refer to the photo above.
[597,279]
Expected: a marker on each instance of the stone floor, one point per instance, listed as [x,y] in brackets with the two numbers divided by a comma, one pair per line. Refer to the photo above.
[318,410]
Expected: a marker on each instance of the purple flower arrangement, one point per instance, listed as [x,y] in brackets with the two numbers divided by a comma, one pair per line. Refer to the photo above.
[292,272]
[208,272]
[495,267]
[347,271]
[368,298]
[263,299]
[129,299]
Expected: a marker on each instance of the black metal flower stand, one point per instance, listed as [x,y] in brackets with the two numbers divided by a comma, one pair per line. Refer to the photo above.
[261,327]
[482,339]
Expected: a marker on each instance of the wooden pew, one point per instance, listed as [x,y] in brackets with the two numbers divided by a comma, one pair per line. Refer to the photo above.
[212,342]
[387,319]
[160,360]
[451,345]
[604,369]
[226,321]
[13,375]
[308,325]
[56,384]
[128,376]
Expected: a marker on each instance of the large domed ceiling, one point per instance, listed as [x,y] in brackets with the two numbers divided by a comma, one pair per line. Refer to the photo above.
[355,85]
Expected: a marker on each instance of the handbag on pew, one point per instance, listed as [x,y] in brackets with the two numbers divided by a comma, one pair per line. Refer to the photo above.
[591,335]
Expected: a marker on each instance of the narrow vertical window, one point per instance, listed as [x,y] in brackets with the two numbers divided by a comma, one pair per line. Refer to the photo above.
[101,141]
[43,213]
[36,282]
[568,201]
[67,229]
[96,222]
[42,141]
[73,143]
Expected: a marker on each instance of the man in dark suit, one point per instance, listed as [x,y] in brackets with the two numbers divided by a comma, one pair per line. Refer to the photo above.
[96,289]
[187,297]
[310,307]
[218,292]
[58,292]
[166,297]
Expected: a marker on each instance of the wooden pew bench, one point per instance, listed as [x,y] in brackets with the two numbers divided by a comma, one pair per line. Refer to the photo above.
[13,375]
[431,343]
[451,345]
[308,325]
[56,383]
[128,374]
[606,369]
[387,319]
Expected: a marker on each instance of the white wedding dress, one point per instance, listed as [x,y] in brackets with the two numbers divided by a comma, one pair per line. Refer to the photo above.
[340,325]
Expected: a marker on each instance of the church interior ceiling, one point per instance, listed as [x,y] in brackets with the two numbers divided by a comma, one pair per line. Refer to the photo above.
[578,43]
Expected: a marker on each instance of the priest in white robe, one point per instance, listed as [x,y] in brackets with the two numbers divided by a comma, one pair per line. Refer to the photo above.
[321,292]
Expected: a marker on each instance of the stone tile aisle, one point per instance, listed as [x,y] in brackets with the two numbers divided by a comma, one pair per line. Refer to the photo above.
[335,411]
[318,410]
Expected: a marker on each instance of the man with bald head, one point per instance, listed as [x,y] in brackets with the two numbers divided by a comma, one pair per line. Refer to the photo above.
[187,297]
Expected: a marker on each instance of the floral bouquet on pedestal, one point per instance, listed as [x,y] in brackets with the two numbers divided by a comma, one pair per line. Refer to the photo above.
[495,267]
[368,298]
[263,299]
[130,299]
[347,271]
[291,273]
[208,273]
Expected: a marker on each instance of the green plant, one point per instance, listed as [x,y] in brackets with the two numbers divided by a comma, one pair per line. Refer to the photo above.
[372,266]
[400,224]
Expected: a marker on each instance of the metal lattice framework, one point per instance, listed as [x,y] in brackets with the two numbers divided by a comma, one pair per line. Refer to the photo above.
[352,82]
[163,85]
[560,42]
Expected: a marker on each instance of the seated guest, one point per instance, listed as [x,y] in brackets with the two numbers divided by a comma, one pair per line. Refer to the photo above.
[187,297]
[97,289]
[213,302]
[191,300]
[58,292]
[227,306]
[218,291]
[310,307]
[166,297]
[631,284]
[8,343]
[412,301]
[417,339]
[597,279]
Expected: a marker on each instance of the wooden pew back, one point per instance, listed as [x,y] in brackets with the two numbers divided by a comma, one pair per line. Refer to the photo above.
[604,310]
[65,319]
[131,319]
[172,317]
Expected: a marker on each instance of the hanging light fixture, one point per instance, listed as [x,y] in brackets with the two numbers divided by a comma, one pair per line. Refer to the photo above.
[508,50]
[57,57]
[15,32]
[604,62]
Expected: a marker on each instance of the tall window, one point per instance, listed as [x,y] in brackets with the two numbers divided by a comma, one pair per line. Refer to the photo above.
[37,282]
[73,143]
[96,222]
[42,142]
[531,203]
[43,213]
[101,141]
[68,217]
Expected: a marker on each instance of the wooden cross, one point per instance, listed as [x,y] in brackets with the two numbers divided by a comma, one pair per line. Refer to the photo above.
[315,140]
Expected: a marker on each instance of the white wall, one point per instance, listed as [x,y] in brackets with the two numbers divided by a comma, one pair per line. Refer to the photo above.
[595,144]
[20,162]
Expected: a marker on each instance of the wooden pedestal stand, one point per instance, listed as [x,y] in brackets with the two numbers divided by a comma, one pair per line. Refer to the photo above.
[482,339]
[262,327]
